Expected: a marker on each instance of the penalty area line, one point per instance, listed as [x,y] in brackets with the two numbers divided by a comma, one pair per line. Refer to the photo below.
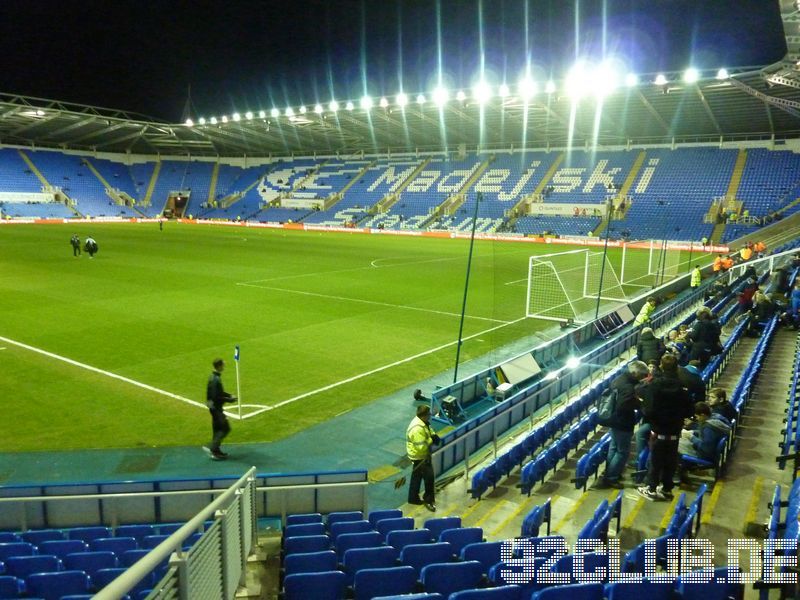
[376,370]
[81,365]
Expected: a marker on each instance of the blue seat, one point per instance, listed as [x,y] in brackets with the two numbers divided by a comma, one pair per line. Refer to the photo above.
[437,525]
[402,524]
[637,591]
[356,559]
[302,519]
[462,536]
[10,587]
[16,549]
[37,536]
[709,591]
[192,540]
[343,527]
[169,528]
[90,562]
[411,597]
[346,541]
[310,562]
[535,519]
[117,545]
[304,529]
[131,557]
[419,556]
[369,583]
[486,553]
[580,591]
[508,573]
[402,538]
[7,537]
[447,578]
[61,548]
[151,541]
[341,517]
[306,543]
[326,585]
[505,592]
[52,586]
[22,566]
[505,462]
[105,576]
[139,532]
[87,534]
[379,515]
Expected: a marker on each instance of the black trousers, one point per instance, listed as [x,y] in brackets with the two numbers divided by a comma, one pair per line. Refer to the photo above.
[422,470]
[76,251]
[220,428]
[663,463]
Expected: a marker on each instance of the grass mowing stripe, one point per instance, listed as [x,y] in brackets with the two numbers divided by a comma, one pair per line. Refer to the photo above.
[75,363]
[520,509]
[373,302]
[706,518]
[750,516]
[626,524]
[373,371]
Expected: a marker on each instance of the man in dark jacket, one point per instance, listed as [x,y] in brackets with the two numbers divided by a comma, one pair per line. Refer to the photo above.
[704,337]
[649,347]
[623,420]
[665,405]
[718,400]
[216,397]
[690,378]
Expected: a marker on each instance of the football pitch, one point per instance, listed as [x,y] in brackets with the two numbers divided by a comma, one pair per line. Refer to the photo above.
[115,351]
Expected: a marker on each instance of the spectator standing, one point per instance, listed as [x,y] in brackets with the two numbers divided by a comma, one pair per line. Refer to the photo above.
[704,337]
[649,347]
[216,398]
[644,314]
[419,439]
[75,242]
[717,266]
[90,246]
[692,380]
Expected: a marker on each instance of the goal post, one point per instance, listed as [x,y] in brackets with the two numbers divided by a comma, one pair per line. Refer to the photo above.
[566,285]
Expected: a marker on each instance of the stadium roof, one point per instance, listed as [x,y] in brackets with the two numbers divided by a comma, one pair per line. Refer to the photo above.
[754,103]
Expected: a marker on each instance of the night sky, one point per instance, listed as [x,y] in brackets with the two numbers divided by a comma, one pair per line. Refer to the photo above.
[143,55]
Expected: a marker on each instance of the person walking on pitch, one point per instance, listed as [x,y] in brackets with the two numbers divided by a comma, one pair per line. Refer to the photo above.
[216,397]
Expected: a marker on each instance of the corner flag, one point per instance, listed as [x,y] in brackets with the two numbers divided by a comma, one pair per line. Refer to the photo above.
[236,352]
[238,389]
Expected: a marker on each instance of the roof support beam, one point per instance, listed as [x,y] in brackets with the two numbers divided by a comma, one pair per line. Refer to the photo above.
[709,112]
[655,114]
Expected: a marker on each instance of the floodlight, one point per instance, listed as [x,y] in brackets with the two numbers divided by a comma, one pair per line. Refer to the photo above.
[262,114]
[577,83]
[461,96]
[503,91]
[303,110]
[660,79]
[40,113]
[202,121]
[275,113]
[318,109]
[349,106]
[365,102]
[189,123]
[213,120]
[441,96]
[691,75]
[603,80]
[248,115]
[383,103]
[224,119]
[237,117]
[573,362]
[289,112]
[401,99]
[526,88]
[631,80]
[550,87]
[482,92]
[333,106]
[722,74]
[420,99]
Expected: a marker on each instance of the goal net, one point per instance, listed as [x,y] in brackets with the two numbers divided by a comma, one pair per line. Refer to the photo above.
[649,264]
[567,285]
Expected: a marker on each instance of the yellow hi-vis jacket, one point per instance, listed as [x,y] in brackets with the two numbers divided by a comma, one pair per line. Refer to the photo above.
[644,314]
[418,439]
[696,278]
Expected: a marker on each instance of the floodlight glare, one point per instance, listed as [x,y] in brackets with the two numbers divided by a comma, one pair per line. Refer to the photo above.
[526,88]
[482,92]
[401,99]
[660,79]
[189,123]
[262,114]
[202,121]
[349,106]
[691,75]
[722,74]
[333,106]
[224,119]
[237,117]
[248,115]
[577,83]
[383,103]
[303,110]
[318,109]
[213,120]
[441,96]
[603,80]
[365,102]
[461,96]
[550,87]
[503,91]
[631,80]
[420,99]
[289,112]
[573,362]
[275,113]
[40,113]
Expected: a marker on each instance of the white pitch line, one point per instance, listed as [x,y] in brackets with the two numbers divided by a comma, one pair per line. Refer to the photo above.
[75,363]
[376,370]
[373,302]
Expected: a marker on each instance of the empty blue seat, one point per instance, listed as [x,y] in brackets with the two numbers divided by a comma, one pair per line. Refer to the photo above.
[192,540]
[310,562]
[169,528]
[637,591]
[438,524]
[346,541]
[379,515]
[340,517]
[369,583]
[52,586]
[139,532]
[356,559]
[326,585]
[505,592]
[87,534]
[131,557]
[422,555]
[10,587]
[462,536]
[306,543]
[709,591]
[22,566]
[486,553]
[580,591]
[151,541]
[304,529]
[61,548]
[402,538]
[117,545]
[7,537]
[386,525]
[90,562]
[16,549]
[37,536]
[447,578]
[301,519]
[105,576]
[411,597]
[343,527]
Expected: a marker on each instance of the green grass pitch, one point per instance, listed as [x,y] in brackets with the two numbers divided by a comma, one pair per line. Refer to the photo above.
[326,322]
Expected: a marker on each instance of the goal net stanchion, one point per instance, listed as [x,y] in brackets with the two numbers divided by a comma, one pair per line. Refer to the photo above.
[565,286]
[661,263]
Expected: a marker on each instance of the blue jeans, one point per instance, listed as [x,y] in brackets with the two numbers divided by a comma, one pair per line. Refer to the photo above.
[642,438]
[618,453]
